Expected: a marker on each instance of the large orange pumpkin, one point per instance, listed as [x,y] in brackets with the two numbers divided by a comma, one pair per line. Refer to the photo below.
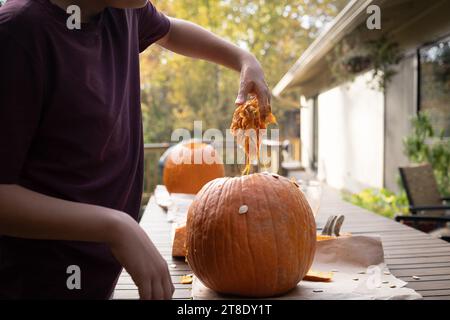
[189,166]
[251,236]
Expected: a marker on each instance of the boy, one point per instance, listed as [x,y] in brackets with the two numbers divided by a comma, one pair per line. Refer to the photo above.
[71,148]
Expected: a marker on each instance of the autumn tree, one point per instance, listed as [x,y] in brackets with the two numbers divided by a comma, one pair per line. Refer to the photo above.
[177,90]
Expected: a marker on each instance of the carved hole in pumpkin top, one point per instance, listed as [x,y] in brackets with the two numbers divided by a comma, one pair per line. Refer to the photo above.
[262,254]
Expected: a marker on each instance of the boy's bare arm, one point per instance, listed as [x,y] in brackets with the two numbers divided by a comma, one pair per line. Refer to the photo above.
[31,215]
[191,40]
[27,214]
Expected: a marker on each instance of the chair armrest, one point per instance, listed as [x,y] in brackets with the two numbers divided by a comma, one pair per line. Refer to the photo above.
[422,218]
[429,208]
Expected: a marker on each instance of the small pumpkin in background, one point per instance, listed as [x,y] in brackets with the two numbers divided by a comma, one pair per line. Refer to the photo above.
[189,166]
[251,236]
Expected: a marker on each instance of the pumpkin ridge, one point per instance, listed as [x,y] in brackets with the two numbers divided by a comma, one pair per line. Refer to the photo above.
[309,219]
[290,218]
[206,226]
[232,246]
[304,234]
[299,238]
[262,208]
[274,235]
[195,233]
[312,220]
[251,253]
[219,204]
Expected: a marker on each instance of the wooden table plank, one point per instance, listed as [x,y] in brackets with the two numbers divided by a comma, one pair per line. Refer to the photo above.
[435,293]
[408,252]
[430,261]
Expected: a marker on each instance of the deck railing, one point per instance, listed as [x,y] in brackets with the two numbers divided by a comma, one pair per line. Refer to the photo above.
[152,171]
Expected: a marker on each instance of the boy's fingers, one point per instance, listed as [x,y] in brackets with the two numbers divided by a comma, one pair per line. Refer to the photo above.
[168,289]
[145,291]
[158,291]
[244,90]
[263,95]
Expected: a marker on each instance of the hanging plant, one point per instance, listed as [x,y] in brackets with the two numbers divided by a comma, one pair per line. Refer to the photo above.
[356,64]
[354,55]
[348,59]
[385,56]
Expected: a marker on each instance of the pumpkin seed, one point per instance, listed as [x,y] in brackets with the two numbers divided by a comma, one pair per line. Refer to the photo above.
[385,282]
[355,279]
[173,266]
[416,278]
[393,286]
[387,273]
[334,270]
[362,272]
[317,290]
[243,209]
[275,176]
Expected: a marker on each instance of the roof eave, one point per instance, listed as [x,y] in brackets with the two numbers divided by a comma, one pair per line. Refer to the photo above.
[349,18]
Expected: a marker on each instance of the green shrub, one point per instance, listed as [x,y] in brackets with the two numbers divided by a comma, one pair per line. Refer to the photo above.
[383,202]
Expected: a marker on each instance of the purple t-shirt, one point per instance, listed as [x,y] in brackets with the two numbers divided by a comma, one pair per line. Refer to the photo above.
[70,127]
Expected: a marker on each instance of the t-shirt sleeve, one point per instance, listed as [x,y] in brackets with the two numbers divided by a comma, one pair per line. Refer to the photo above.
[153,25]
[21,95]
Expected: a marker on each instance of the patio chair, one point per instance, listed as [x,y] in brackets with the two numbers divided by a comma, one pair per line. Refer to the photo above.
[429,212]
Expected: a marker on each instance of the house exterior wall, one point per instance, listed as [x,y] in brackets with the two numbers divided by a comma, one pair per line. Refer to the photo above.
[361,131]
[351,136]
[402,92]
[383,120]
[401,106]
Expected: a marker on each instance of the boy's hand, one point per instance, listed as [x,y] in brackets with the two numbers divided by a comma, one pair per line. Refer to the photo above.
[48,218]
[253,82]
[137,254]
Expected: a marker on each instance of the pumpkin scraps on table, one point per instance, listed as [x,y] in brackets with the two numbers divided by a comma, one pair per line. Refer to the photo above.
[318,276]
[187,279]
[247,126]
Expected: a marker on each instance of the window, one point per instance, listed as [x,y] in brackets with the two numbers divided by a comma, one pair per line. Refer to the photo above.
[435,83]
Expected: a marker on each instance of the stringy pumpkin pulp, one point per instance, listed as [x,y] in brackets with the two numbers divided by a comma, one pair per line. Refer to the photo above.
[247,120]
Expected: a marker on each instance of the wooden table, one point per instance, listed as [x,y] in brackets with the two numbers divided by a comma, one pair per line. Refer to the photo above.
[408,252]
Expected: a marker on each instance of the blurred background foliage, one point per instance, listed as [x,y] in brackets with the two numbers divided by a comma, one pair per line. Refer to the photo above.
[427,145]
[177,90]
[380,201]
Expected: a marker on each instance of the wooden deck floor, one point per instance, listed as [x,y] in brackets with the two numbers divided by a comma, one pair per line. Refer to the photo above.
[408,252]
